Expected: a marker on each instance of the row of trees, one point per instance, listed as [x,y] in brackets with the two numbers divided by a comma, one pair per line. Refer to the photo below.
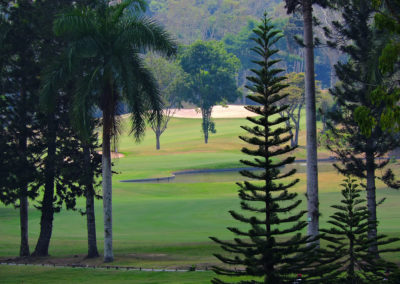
[41,154]
[51,85]
[70,92]
[267,256]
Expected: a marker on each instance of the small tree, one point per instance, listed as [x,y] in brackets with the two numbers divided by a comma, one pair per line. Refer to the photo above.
[261,253]
[171,81]
[212,78]
[295,102]
[348,241]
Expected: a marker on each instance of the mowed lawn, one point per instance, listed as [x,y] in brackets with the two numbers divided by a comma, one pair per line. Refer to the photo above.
[167,225]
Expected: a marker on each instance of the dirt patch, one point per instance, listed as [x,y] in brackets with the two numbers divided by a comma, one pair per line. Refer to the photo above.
[80,260]
[114,155]
[229,111]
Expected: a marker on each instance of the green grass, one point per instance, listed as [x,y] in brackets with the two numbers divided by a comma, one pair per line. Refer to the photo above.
[165,225]
[45,275]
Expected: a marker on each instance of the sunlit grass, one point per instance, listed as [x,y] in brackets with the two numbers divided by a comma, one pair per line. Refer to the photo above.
[168,225]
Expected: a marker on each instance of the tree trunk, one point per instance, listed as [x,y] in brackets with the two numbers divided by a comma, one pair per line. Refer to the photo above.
[90,217]
[205,127]
[107,191]
[46,222]
[206,116]
[371,197]
[296,136]
[158,134]
[297,125]
[312,158]
[23,198]
[23,215]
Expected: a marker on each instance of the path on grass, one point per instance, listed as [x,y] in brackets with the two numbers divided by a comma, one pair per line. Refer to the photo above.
[107,267]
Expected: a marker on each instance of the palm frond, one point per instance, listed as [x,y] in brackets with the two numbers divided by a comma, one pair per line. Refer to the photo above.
[145,34]
[129,8]
[141,94]
[83,103]
[53,79]
[75,24]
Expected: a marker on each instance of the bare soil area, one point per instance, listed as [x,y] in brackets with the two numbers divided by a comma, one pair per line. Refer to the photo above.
[229,111]
[114,155]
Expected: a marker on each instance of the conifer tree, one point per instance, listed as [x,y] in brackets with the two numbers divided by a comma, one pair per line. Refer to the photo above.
[348,242]
[267,204]
[19,72]
[357,149]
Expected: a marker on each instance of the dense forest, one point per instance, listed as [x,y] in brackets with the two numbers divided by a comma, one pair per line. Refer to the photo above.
[232,22]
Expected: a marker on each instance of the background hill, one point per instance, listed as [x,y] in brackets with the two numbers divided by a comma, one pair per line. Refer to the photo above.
[232,21]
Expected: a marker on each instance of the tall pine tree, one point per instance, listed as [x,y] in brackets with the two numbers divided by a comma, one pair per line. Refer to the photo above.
[18,84]
[359,76]
[263,250]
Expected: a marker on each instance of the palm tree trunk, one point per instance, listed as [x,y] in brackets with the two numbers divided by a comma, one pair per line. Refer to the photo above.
[107,190]
[46,221]
[312,159]
[90,217]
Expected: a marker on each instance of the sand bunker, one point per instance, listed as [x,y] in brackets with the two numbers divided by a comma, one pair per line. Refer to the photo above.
[229,111]
[114,155]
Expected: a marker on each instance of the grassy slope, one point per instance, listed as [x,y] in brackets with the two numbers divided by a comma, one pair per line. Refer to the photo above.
[168,225]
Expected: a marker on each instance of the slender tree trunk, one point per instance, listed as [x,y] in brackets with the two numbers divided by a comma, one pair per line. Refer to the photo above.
[46,221]
[23,198]
[23,214]
[206,137]
[107,190]
[158,134]
[312,158]
[206,115]
[296,136]
[90,217]
[205,126]
[371,197]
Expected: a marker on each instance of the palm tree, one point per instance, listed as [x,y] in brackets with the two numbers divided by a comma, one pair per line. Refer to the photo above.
[305,6]
[105,43]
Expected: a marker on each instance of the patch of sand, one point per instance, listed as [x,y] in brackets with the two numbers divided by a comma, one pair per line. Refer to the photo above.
[114,155]
[229,111]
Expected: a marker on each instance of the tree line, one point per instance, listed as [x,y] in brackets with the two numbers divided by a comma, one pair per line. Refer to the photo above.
[61,61]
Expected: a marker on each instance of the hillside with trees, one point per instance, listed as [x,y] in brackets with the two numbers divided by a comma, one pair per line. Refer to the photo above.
[232,22]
